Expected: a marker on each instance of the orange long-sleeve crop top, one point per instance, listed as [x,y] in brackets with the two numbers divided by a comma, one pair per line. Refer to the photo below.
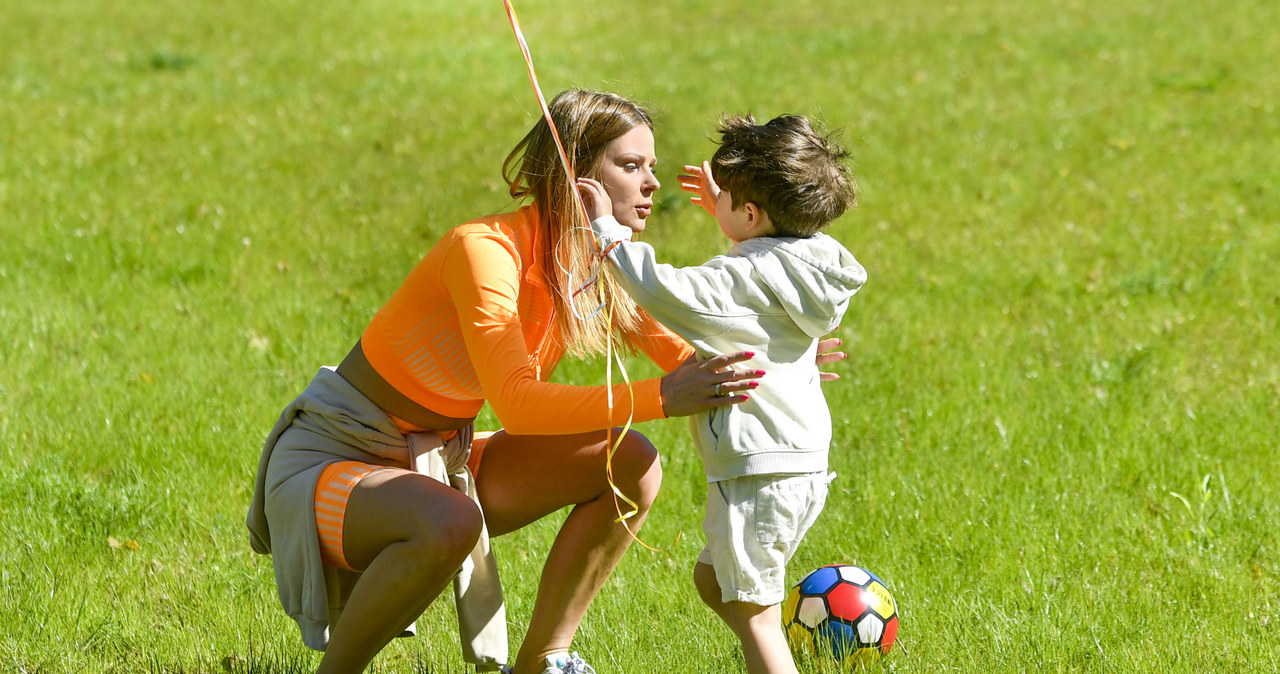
[473,322]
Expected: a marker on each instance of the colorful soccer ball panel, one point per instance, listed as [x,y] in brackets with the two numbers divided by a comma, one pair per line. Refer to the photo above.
[818,582]
[839,637]
[845,601]
[841,611]
[890,634]
[855,575]
[801,638]
[870,629]
[812,612]
[877,598]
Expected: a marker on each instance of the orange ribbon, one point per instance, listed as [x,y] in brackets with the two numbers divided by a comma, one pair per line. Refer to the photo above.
[610,354]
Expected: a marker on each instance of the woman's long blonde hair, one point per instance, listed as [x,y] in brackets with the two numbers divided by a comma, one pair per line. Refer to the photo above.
[588,121]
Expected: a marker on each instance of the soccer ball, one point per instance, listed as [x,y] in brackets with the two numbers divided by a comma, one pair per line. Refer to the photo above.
[843,611]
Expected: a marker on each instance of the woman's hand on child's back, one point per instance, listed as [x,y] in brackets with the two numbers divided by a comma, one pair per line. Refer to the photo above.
[698,181]
[697,386]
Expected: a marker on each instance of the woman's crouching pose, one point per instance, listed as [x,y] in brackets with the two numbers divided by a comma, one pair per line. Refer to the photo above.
[373,489]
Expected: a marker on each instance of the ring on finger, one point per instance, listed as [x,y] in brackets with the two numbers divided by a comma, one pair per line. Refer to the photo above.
[719,390]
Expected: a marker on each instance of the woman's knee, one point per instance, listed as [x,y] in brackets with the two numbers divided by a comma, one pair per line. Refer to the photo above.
[440,524]
[637,461]
[448,531]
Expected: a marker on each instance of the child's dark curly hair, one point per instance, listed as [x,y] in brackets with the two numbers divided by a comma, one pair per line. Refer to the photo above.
[793,172]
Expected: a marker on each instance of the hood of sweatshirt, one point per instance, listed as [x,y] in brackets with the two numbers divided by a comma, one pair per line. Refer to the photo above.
[812,278]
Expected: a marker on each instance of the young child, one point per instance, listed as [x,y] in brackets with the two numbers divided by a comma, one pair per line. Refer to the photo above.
[781,287]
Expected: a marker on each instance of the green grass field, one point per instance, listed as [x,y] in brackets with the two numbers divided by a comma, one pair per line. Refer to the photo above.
[1056,432]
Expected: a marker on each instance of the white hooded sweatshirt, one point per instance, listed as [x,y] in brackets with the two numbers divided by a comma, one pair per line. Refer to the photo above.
[776,296]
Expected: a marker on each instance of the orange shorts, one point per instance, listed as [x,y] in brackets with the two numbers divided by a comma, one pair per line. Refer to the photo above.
[333,489]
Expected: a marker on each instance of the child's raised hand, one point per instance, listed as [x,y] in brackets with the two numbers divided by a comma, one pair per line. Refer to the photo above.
[594,198]
[698,181]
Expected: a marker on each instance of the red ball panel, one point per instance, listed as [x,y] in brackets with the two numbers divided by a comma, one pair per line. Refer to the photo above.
[846,601]
[890,634]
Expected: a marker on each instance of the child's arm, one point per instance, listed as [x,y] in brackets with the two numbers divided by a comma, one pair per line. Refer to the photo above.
[698,180]
[693,302]
[663,291]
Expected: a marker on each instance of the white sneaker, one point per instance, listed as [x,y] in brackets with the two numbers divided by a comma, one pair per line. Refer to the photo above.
[563,663]
[567,663]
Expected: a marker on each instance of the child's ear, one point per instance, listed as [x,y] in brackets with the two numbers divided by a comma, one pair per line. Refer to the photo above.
[758,218]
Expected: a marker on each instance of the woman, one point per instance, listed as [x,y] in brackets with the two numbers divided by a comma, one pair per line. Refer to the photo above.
[485,316]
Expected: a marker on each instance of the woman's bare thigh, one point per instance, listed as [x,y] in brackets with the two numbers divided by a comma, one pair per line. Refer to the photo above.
[391,505]
[525,478]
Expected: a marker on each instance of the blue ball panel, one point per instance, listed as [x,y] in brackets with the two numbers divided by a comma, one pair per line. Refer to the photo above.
[819,581]
[842,639]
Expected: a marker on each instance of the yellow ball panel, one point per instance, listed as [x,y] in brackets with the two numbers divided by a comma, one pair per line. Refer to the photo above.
[789,606]
[861,659]
[800,638]
[879,600]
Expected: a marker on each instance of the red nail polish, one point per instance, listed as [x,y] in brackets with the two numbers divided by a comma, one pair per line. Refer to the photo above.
[754,384]
[760,373]
[751,354]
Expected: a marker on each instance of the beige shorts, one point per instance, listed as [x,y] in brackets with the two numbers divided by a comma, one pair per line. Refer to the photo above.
[754,525]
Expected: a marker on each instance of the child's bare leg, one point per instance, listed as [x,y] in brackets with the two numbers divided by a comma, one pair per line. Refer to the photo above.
[758,628]
[704,578]
[764,646]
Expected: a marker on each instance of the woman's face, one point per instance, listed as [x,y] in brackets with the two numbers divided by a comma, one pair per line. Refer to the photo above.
[626,171]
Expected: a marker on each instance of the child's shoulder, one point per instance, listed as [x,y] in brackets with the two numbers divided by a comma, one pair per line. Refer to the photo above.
[766,244]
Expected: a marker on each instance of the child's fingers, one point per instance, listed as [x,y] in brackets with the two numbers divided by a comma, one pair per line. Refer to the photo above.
[590,187]
[707,175]
[594,198]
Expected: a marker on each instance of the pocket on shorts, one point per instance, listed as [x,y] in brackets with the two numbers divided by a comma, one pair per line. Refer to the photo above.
[787,507]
